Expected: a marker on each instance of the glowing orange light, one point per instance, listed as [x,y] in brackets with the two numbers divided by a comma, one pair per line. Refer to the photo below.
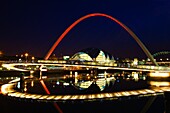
[26,54]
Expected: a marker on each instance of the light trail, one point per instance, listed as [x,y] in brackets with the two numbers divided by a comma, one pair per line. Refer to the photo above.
[11,66]
[7,89]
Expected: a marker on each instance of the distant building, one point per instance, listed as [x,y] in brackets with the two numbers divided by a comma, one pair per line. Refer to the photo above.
[53,57]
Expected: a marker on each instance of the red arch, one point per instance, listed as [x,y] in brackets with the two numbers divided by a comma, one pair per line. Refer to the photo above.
[109,17]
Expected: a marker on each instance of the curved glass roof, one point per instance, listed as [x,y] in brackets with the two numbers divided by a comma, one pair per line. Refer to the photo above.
[92,53]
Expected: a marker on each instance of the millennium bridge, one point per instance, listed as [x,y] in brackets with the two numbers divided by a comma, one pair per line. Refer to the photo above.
[153,70]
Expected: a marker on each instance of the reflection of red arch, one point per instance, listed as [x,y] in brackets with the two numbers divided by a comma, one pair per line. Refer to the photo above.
[107,16]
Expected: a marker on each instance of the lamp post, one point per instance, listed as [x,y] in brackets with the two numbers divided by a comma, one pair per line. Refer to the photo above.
[33,58]
[26,55]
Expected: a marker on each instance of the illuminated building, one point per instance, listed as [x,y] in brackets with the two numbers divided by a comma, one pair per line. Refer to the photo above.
[93,54]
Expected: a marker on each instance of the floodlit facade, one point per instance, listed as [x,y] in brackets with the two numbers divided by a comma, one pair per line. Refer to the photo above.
[81,56]
[94,55]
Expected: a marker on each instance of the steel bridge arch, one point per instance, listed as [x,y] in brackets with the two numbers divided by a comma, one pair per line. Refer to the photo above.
[109,17]
[161,53]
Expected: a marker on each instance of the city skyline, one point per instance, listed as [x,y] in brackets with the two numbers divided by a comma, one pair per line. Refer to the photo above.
[33,27]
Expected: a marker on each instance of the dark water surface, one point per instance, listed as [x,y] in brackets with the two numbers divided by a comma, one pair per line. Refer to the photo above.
[110,106]
[55,85]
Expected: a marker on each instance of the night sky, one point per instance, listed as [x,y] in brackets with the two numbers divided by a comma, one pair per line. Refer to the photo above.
[34,26]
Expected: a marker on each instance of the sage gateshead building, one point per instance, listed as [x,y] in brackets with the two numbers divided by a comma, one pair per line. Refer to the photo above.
[94,55]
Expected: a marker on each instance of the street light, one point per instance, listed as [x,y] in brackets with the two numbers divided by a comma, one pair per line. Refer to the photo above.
[33,58]
[26,55]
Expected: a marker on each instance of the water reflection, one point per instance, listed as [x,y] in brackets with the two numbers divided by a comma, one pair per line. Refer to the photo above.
[159,83]
[101,82]
[4,80]
[82,83]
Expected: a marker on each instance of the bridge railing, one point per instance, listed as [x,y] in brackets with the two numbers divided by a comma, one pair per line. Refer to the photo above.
[151,67]
[108,64]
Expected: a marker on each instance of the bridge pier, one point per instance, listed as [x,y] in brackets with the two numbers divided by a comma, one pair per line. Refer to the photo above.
[76,77]
[40,75]
[22,82]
